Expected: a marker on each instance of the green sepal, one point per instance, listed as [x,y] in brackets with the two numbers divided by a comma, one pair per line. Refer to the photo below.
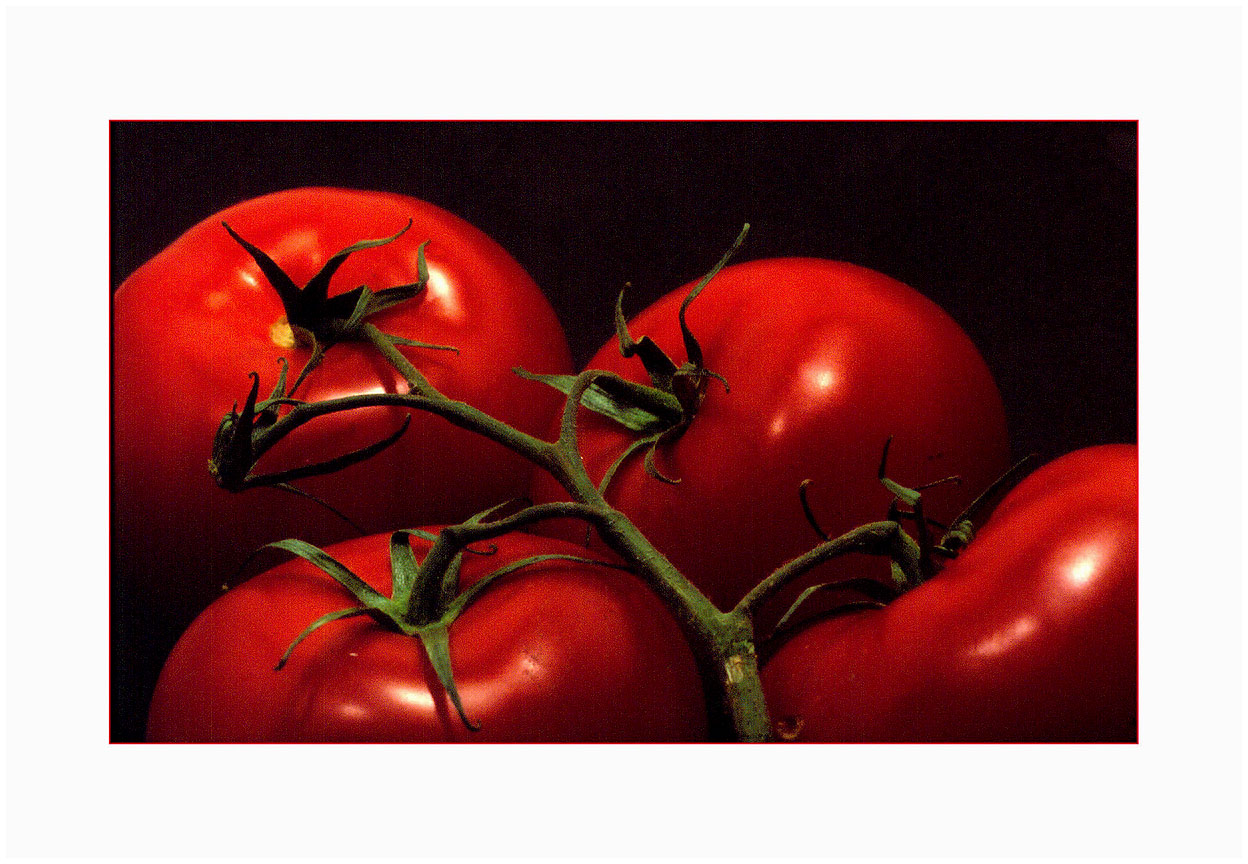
[801,598]
[303,493]
[326,318]
[898,575]
[693,351]
[233,453]
[490,514]
[962,528]
[278,396]
[355,305]
[907,562]
[418,532]
[316,292]
[878,596]
[652,468]
[470,594]
[650,441]
[909,496]
[676,391]
[266,411]
[349,612]
[437,643]
[412,343]
[368,596]
[415,599]
[329,466]
[361,302]
[494,511]
[232,457]
[360,309]
[404,568]
[634,406]
[657,364]
[285,287]
[450,582]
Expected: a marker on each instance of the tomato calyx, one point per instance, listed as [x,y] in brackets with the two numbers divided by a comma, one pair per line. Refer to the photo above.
[237,447]
[397,612]
[961,530]
[913,561]
[913,498]
[664,409]
[319,320]
[424,599]
[638,407]
[910,559]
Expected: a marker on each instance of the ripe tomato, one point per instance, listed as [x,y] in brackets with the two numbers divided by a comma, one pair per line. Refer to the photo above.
[824,361]
[556,651]
[1029,635]
[190,325]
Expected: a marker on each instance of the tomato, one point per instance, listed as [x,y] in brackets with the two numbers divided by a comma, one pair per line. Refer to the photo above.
[823,361]
[1029,635]
[190,325]
[556,651]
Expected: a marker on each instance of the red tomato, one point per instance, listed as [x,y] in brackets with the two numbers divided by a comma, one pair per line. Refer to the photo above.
[557,651]
[190,325]
[1029,635]
[825,361]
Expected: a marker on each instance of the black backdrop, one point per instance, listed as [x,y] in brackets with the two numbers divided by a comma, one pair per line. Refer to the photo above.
[1024,232]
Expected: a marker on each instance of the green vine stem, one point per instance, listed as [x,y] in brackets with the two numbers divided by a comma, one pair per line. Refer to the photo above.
[723,642]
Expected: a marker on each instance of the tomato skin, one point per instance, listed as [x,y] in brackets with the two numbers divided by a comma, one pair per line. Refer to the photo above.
[190,325]
[558,651]
[825,361]
[1031,634]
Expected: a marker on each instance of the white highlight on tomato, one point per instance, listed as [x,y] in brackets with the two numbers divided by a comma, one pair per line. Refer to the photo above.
[1006,638]
[1084,568]
[439,290]
[417,697]
[822,377]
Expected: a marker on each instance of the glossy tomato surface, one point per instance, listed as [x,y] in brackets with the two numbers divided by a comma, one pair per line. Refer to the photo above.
[824,361]
[1031,634]
[558,651]
[190,325]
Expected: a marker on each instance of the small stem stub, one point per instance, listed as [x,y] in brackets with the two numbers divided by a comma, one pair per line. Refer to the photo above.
[746,703]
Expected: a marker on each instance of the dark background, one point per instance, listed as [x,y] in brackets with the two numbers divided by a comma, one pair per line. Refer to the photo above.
[1025,233]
